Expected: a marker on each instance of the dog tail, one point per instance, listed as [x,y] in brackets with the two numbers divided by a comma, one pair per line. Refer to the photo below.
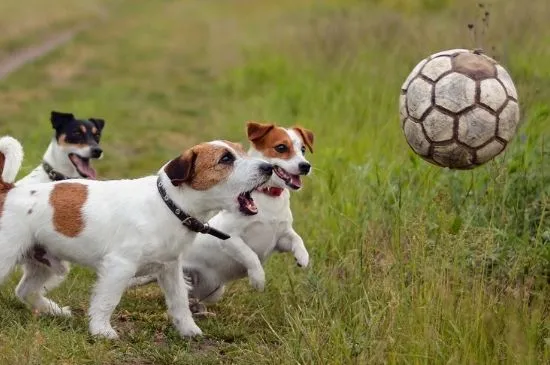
[11,157]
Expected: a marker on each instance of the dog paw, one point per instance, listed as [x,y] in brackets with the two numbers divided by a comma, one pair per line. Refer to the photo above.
[190,330]
[66,312]
[257,279]
[302,258]
[104,331]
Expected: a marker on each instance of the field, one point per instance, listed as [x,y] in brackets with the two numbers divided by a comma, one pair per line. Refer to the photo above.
[411,264]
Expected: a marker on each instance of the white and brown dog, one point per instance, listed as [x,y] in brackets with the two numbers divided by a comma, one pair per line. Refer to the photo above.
[117,227]
[211,263]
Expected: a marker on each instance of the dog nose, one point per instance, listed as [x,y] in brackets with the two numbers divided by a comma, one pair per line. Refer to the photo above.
[96,152]
[266,168]
[304,167]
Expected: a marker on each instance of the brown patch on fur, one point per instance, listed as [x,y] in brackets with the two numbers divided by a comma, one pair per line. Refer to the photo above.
[4,186]
[199,167]
[67,200]
[256,131]
[236,146]
[83,129]
[62,141]
[307,136]
[475,66]
[265,137]
[94,130]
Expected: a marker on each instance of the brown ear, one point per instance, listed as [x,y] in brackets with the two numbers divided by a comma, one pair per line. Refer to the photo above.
[180,169]
[256,131]
[307,136]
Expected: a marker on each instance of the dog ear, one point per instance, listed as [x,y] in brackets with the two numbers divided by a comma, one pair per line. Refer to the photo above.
[307,136]
[180,170]
[99,123]
[256,131]
[59,118]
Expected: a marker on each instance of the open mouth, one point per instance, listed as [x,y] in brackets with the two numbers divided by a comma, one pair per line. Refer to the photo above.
[83,167]
[292,181]
[246,204]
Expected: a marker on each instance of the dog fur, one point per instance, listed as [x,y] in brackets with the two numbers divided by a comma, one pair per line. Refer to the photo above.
[118,227]
[211,263]
[72,137]
[75,141]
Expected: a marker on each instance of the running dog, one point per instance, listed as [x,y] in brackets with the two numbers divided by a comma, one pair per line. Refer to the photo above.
[68,156]
[118,227]
[210,263]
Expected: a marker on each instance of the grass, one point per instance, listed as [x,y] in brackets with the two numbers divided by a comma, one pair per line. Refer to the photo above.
[410,263]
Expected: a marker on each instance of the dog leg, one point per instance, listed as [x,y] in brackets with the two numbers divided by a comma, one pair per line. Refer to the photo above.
[114,275]
[175,290]
[32,287]
[141,280]
[239,251]
[292,242]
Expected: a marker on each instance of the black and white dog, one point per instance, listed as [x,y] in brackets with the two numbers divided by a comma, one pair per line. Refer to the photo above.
[75,143]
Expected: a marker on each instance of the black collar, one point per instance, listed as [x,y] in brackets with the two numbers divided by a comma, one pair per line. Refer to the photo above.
[191,223]
[52,174]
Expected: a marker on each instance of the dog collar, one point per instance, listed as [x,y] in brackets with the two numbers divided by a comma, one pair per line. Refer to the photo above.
[52,174]
[191,223]
[272,191]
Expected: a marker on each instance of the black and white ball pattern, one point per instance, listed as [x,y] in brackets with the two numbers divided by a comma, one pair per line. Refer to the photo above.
[459,109]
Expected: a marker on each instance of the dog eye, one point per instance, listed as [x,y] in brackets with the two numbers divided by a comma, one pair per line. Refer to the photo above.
[303,150]
[281,148]
[227,158]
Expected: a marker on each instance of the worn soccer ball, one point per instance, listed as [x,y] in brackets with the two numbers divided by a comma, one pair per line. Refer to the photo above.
[459,109]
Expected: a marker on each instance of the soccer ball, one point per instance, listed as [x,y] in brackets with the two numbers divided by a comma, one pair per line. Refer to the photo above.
[459,109]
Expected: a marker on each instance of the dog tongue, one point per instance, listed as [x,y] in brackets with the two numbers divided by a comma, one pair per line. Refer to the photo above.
[295,180]
[84,168]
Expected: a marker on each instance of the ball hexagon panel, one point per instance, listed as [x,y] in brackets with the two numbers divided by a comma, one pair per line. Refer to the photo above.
[506,80]
[489,151]
[419,98]
[492,94]
[415,137]
[437,67]
[454,156]
[455,92]
[508,121]
[476,127]
[403,106]
[412,75]
[474,66]
[438,126]
[449,52]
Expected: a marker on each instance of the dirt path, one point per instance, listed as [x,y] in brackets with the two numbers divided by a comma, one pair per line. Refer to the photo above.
[29,54]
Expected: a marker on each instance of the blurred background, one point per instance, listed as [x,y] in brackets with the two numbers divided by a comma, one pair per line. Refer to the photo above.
[411,263]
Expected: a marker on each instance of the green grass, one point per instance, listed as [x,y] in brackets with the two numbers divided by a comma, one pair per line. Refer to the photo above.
[410,263]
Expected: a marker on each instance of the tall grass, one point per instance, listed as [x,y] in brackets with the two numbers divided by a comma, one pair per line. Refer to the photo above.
[411,263]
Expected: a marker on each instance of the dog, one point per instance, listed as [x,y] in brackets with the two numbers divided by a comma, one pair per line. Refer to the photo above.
[74,145]
[118,227]
[210,263]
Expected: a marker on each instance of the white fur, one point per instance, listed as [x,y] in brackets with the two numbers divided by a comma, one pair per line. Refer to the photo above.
[211,263]
[13,153]
[127,227]
[57,157]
